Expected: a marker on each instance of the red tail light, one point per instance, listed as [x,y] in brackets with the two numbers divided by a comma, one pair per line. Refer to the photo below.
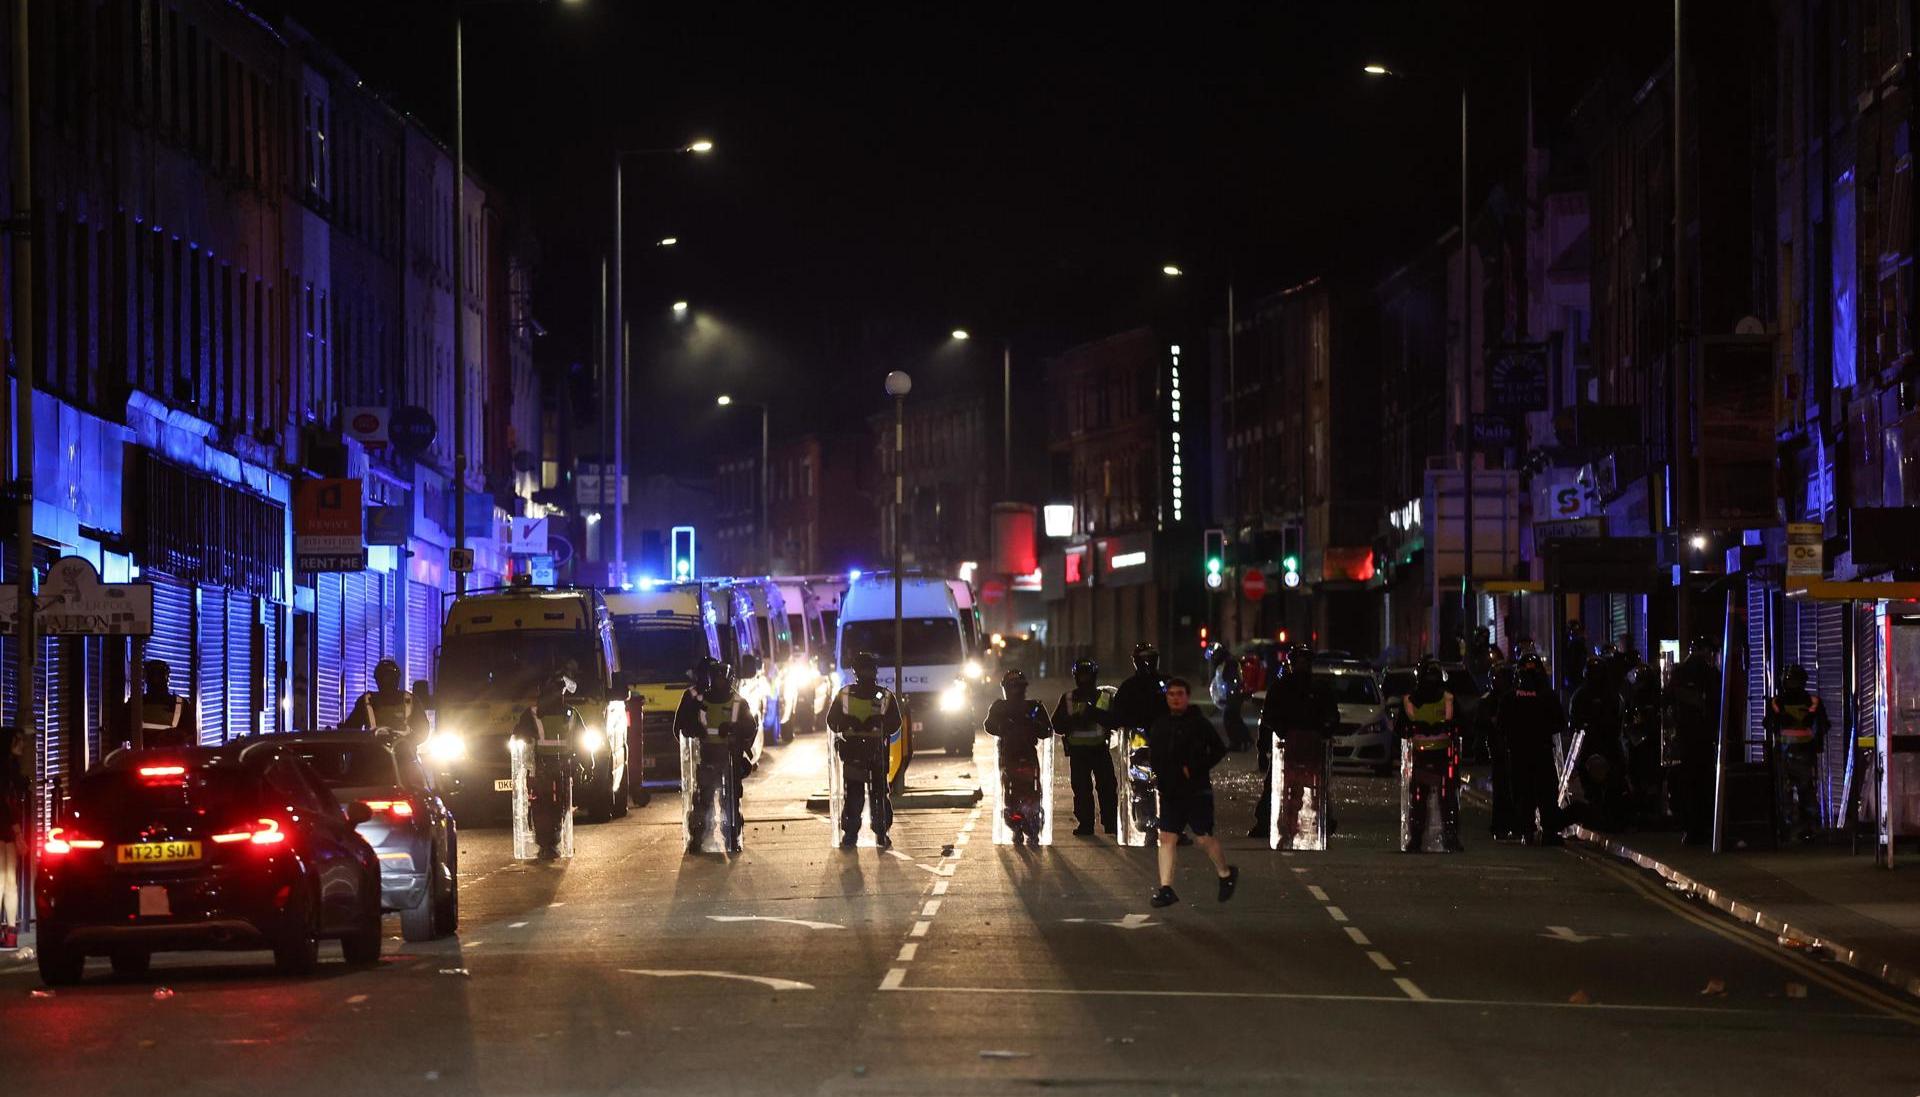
[63,840]
[163,775]
[399,809]
[260,832]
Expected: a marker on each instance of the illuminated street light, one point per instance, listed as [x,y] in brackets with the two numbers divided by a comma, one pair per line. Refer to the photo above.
[1699,542]
[962,334]
[667,241]
[724,400]
[1172,271]
[680,308]
[702,145]
[1377,70]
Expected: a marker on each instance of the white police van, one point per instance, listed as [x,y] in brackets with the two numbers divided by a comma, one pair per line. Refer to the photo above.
[945,706]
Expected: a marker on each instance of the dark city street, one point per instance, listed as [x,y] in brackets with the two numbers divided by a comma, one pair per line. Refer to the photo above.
[583,547]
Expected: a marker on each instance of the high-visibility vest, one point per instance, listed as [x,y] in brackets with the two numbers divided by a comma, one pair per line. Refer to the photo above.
[861,709]
[162,715]
[718,715]
[1089,732]
[1796,723]
[380,715]
[1429,725]
[552,733]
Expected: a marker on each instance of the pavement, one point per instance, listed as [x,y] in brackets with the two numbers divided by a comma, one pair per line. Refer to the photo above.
[953,966]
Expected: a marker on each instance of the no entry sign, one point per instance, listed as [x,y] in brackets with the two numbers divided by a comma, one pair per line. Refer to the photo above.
[1253,584]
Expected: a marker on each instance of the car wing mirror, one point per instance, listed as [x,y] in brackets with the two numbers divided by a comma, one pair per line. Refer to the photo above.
[358,812]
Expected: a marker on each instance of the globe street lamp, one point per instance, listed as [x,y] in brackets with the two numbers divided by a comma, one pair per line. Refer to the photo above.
[898,385]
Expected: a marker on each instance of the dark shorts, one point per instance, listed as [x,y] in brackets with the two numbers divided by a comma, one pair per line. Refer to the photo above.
[1186,811]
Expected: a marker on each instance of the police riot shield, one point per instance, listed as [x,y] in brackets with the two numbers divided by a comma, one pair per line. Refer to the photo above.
[1565,761]
[1023,796]
[709,800]
[1425,783]
[542,802]
[862,776]
[1139,802]
[1297,812]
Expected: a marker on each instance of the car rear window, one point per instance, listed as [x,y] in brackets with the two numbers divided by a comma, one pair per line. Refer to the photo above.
[117,795]
[349,765]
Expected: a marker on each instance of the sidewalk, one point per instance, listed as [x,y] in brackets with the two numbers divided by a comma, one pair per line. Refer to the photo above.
[1818,896]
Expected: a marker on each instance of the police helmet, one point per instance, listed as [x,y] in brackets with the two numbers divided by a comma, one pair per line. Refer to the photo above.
[1146,657]
[1085,671]
[866,667]
[1299,659]
[1794,677]
[1427,674]
[1014,685]
[712,678]
[386,670]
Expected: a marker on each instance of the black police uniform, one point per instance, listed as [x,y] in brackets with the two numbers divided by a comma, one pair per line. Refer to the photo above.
[394,710]
[1694,698]
[1797,724]
[1602,766]
[1084,718]
[1527,719]
[863,717]
[726,729]
[1021,727]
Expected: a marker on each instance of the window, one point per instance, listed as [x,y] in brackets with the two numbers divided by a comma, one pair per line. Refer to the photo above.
[287,783]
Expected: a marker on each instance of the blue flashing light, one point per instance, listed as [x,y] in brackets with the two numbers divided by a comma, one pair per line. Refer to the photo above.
[854,575]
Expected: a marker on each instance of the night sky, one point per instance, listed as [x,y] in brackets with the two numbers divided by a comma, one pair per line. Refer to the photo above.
[886,172]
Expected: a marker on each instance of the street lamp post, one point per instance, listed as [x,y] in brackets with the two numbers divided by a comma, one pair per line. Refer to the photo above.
[961,335]
[1464,406]
[620,157]
[898,385]
[766,530]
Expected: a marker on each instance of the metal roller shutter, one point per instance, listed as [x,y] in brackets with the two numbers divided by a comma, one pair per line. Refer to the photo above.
[1834,687]
[423,627]
[211,691]
[1759,667]
[326,650]
[96,693]
[55,713]
[1865,710]
[389,610]
[356,638]
[172,639]
[241,615]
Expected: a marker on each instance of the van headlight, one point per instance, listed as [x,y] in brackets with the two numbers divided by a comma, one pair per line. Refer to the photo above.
[953,698]
[973,670]
[445,747]
[801,675]
[592,740]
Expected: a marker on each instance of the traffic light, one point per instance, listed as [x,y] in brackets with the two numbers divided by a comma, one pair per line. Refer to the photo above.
[1214,551]
[680,558]
[1290,556]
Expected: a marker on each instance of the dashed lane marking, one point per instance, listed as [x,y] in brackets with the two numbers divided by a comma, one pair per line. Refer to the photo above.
[940,887]
[1407,986]
[1317,892]
[1336,914]
[895,976]
[907,952]
[1358,937]
[932,908]
[920,929]
[1380,960]
[516,925]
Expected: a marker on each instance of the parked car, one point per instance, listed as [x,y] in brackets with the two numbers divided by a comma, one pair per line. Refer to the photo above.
[411,831]
[1365,734]
[235,847]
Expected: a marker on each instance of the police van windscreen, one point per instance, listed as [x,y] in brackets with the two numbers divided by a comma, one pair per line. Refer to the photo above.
[505,666]
[928,641]
[660,653]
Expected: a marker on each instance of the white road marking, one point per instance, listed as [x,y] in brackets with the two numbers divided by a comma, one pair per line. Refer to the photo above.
[1380,960]
[1358,937]
[1414,997]
[1337,914]
[1566,933]
[1130,921]
[764,980]
[770,918]
[945,868]
[562,903]
[356,999]
[900,855]
[471,944]
[1317,892]
[920,929]
[1299,870]
[907,952]
[961,839]
[932,908]
[895,976]
[940,887]
[516,925]
[1413,992]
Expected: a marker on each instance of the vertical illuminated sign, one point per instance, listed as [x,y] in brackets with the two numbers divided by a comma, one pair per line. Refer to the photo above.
[1175,466]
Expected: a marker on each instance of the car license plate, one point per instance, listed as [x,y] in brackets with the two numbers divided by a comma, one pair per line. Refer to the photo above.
[503,785]
[158,853]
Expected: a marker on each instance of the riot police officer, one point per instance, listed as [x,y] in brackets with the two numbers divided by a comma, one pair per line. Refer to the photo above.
[1694,699]
[1796,724]
[549,731]
[1302,717]
[161,717]
[713,714]
[863,716]
[1427,726]
[1020,726]
[1601,767]
[1084,717]
[1142,697]
[1229,696]
[1506,814]
[1640,727]
[1528,718]
[386,705]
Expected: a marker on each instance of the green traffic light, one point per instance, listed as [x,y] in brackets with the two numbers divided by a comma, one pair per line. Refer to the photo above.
[1213,565]
[1291,563]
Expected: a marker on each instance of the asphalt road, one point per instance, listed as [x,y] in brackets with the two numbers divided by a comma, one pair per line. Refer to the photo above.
[955,966]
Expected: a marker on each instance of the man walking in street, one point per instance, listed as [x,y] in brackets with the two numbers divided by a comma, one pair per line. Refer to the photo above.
[1185,748]
[1084,717]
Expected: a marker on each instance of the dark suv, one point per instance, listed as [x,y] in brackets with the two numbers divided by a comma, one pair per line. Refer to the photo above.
[235,847]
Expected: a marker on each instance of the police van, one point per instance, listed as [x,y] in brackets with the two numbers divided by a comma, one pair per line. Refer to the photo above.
[945,706]
[497,649]
[806,682]
[662,631]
